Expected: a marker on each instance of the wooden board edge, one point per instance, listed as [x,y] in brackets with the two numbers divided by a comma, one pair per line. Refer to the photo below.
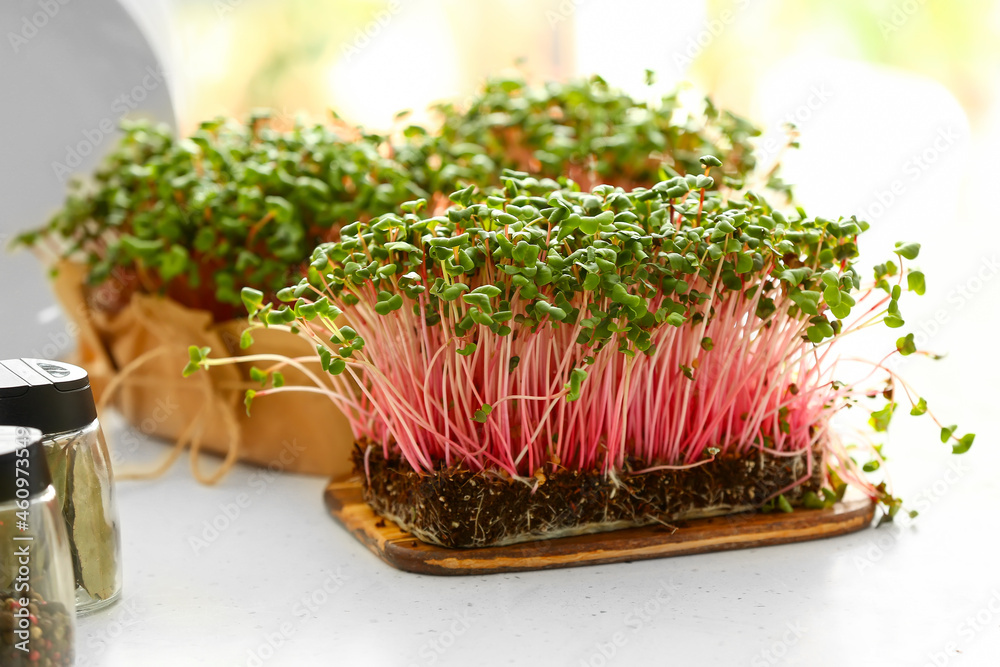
[404,552]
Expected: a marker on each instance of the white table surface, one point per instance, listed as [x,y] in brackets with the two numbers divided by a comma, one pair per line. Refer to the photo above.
[284,584]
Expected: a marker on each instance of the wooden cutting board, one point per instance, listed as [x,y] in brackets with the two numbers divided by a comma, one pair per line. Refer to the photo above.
[738,531]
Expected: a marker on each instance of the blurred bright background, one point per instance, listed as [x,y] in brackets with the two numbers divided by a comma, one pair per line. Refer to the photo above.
[889,96]
[369,58]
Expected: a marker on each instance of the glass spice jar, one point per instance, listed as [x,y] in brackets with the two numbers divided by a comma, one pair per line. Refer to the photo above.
[56,398]
[37,588]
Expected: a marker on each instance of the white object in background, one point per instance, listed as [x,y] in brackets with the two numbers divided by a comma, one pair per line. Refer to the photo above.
[157,22]
[619,39]
[876,142]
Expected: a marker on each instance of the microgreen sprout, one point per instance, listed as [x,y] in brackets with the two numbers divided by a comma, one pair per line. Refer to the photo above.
[585,130]
[232,205]
[539,326]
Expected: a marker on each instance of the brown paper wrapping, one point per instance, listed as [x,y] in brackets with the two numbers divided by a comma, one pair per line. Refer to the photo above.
[138,353]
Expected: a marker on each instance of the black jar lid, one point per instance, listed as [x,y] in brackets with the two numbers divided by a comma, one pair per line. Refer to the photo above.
[35,470]
[52,396]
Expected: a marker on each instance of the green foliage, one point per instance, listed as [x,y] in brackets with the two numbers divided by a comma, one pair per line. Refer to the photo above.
[196,355]
[964,443]
[906,345]
[616,264]
[879,421]
[548,245]
[542,250]
[483,413]
[585,130]
[238,206]
[231,206]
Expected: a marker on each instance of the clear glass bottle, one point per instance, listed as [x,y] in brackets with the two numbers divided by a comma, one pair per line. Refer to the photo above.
[82,476]
[37,586]
[56,398]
